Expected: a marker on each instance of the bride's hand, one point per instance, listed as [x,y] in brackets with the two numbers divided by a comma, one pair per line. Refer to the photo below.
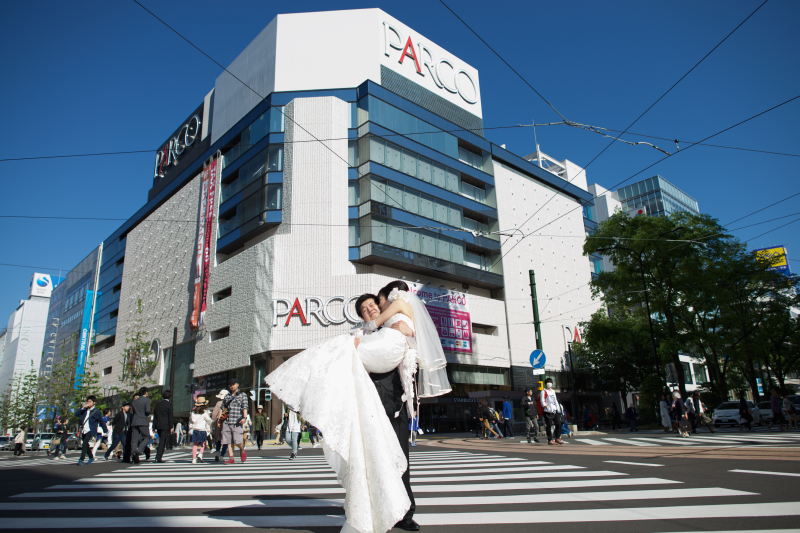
[403,328]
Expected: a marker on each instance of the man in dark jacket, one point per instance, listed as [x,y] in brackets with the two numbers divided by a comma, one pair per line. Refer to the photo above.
[88,420]
[260,425]
[531,415]
[140,424]
[120,427]
[163,423]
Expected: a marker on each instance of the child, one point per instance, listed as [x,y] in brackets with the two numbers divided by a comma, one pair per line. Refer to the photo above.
[200,426]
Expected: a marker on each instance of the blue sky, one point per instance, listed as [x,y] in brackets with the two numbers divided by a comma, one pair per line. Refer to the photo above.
[105,76]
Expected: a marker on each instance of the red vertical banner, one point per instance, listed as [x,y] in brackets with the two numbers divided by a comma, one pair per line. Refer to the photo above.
[211,197]
[201,241]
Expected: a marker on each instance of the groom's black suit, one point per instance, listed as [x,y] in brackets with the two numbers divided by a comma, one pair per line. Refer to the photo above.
[390,391]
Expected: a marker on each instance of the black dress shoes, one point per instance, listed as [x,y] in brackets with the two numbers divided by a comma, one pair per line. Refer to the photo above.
[135,458]
[160,461]
[408,525]
[147,454]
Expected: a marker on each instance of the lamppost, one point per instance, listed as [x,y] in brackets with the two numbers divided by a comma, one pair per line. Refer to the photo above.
[640,257]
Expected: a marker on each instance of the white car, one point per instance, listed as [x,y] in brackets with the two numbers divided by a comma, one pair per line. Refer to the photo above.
[42,441]
[727,413]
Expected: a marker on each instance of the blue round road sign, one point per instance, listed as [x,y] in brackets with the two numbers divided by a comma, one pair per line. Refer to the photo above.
[538,359]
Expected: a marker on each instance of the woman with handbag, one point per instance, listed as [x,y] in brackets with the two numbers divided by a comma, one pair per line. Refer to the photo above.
[59,443]
[744,414]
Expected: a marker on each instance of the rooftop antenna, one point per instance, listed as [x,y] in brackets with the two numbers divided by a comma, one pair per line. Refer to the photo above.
[536,142]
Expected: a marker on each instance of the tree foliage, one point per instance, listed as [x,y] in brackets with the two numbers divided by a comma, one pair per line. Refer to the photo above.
[138,362]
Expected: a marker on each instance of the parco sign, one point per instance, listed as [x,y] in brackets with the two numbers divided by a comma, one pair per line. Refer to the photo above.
[315,307]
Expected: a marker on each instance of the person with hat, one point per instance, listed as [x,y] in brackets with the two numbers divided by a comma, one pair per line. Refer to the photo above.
[200,425]
[119,426]
[552,412]
[260,425]
[217,425]
[233,418]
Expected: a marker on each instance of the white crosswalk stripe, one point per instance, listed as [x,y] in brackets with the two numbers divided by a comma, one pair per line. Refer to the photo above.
[726,440]
[274,492]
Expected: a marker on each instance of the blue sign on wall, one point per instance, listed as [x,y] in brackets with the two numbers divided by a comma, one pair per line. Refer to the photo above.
[538,359]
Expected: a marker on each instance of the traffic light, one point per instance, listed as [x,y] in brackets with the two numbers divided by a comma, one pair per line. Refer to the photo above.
[253,395]
[267,395]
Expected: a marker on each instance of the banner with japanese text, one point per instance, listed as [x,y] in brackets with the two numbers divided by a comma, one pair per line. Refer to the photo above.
[201,241]
[450,313]
[211,170]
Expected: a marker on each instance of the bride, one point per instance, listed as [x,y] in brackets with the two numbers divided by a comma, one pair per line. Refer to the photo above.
[330,385]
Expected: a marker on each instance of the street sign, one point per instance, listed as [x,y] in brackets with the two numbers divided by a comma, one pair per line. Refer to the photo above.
[760,388]
[538,371]
[538,359]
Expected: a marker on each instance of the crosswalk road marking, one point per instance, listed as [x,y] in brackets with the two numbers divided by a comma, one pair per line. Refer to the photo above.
[274,492]
[624,441]
[729,440]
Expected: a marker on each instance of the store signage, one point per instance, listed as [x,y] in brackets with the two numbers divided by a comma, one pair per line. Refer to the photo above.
[573,335]
[194,320]
[322,311]
[41,285]
[444,71]
[171,152]
[776,256]
[449,311]
[211,172]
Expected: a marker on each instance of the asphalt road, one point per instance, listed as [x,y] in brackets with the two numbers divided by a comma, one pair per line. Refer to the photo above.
[460,485]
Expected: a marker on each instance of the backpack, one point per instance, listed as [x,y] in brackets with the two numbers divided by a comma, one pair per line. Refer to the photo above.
[539,406]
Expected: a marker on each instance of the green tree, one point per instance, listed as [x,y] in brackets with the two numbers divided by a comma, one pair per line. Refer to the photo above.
[138,362]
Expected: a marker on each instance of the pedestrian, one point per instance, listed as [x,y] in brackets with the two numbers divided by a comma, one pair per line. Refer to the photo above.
[485,415]
[552,413]
[119,428]
[702,416]
[260,426]
[293,432]
[616,417]
[216,427]
[164,423]
[587,418]
[664,407]
[179,434]
[777,412]
[233,418]
[61,435]
[200,426]
[630,416]
[413,428]
[100,435]
[506,423]
[20,440]
[508,415]
[284,425]
[89,420]
[691,413]
[745,417]
[494,419]
[681,417]
[531,416]
[141,426]
[791,411]
[246,430]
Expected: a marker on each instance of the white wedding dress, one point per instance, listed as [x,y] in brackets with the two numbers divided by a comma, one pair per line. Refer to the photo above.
[329,385]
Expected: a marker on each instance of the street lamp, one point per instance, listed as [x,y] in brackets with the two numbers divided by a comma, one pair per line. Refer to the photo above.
[640,257]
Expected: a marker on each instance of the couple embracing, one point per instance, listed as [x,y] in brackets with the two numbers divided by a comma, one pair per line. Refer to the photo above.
[359,390]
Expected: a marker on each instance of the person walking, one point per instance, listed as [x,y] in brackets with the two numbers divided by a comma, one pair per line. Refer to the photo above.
[552,413]
[508,431]
[178,434]
[691,413]
[260,425]
[200,426]
[102,436]
[493,421]
[61,433]
[745,417]
[587,418]
[141,425]
[616,417]
[164,423]
[664,407]
[777,412]
[90,419]
[791,412]
[484,416]
[702,416]
[284,425]
[119,429]
[216,427]
[630,415]
[233,417]
[20,440]
[508,416]
[531,416]
[293,432]
[679,412]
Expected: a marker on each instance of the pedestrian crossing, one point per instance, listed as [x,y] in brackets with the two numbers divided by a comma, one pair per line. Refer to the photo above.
[728,440]
[451,488]
[71,458]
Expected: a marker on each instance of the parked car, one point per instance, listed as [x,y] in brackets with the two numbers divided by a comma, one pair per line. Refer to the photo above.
[6,442]
[766,411]
[72,442]
[727,413]
[42,441]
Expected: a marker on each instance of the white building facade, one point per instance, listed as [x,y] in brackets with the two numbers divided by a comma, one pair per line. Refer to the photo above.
[321,180]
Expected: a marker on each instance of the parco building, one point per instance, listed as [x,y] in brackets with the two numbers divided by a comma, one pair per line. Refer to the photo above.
[305,181]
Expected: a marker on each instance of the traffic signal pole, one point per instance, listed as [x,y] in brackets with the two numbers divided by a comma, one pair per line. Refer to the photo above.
[536,322]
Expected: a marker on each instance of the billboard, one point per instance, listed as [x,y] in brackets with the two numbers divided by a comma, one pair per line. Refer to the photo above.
[450,313]
[41,285]
[85,338]
[777,256]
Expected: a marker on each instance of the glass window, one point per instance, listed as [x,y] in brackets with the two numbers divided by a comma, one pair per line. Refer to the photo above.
[424,169]
[443,249]
[699,373]
[409,163]
[353,233]
[412,240]
[393,157]
[394,195]
[396,236]
[379,231]
[352,193]
[457,252]
[455,215]
[426,206]
[428,244]
[411,201]
[352,154]
[277,119]
[378,190]
[274,196]
[439,176]
[453,181]
[377,150]
[687,374]
[440,215]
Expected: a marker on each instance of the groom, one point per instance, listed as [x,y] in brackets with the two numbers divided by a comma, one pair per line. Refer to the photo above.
[390,391]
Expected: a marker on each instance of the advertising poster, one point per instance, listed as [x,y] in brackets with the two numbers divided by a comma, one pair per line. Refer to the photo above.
[777,256]
[201,241]
[209,172]
[450,313]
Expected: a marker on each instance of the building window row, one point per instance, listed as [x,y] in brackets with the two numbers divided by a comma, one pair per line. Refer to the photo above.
[269,198]
[77,296]
[268,160]
[272,121]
